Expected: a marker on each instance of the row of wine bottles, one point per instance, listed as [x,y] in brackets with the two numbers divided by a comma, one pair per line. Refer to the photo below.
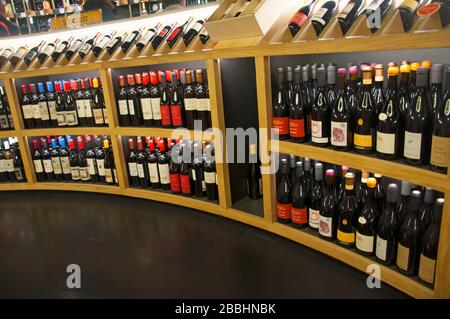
[321,16]
[11,166]
[182,166]
[110,43]
[401,230]
[410,120]
[6,121]
[165,99]
[64,103]
[89,159]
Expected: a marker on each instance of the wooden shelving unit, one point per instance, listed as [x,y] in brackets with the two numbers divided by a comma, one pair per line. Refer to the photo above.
[260,51]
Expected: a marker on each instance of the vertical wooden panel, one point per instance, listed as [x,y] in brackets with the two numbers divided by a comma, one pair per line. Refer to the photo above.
[264,93]
[27,160]
[14,104]
[110,100]
[218,122]
[119,158]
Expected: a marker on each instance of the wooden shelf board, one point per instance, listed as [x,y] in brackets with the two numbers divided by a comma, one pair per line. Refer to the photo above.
[44,71]
[63,186]
[155,131]
[9,133]
[397,170]
[67,131]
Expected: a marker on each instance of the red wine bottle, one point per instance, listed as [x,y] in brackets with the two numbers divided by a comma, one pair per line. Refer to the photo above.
[209,168]
[74,47]
[88,45]
[82,161]
[158,39]
[115,43]
[202,103]
[33,53]
[388,226]
[190,102]
[284,194]
[378,92]
[254,183]
[27,108]
[322,17]
[98,104]
[195,30]
[47,51]
[146,101]
[43,106]
[147,37]
[347,210]
[165,102]
[141,164]
[340,190]
[73,160]
[299,211]
[122,100]
[280,121]
[176,105]
[404,91]
[133,101]
[320,116]
[130,40]
[429,246]
[37,162]
[366,225]
[409,238]
[155,95]
[341,117]
[349,14]
[34,100]
[407,10]
[152,163]
[178,32]
[328,214]
[101,44]
[163,166]
[198,172]
[132,166]
[425,213]
[300,18]
[436,88]
[69,104]
[297,120]
[109,163]
[91,160]
[316,196]
[306,96]
[51,103]
[6,56]
[78,96]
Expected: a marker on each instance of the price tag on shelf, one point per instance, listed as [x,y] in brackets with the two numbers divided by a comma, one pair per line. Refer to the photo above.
[77,20]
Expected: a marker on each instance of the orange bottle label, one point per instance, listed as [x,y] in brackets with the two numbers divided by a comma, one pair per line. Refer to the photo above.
[297,128]
[281,125]
[284,211]
[299,216]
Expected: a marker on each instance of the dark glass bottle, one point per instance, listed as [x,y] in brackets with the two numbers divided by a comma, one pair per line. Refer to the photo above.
[64,158]
[101,44]
[306,98]
[115,43]
[331,84]
[33,53]
[203,111]
[366,225]
[37,162]
[426,209]
[365,116]
[74,47]
[82,161]
[155,95]
[190,102]
[78,96]
[152,161]
[349,14]
[47,51]
[209,168]
[404,91]
[176,106]
[348,211]
[254,185]
[299,211]
[130,40]
[165,102]
[27,108]
[320,115]
[322,17]
[159,38]
[340,190]
[133,102]
[388,226]
[163,166]
[108,163]
[378,91]
[122,100]
[88,45]
[98,104]
[284,194]
[197,171]
[100,157]
[317,193]
[176,34]
[328,216]
[300,18]
[289,86]
[62,48]
[56,161]
[91,160]
[146,101]
[34,101]
[132,166]
[341,117]
[280,121]
[43,106]
[195,30]
[407,11]
[436,88]
[73,160]
[141,164]
[51,103]
[380,194]
[297,120]
[418,123]
[409,238]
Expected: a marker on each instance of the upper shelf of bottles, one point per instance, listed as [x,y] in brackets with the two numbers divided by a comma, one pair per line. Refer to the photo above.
[197,39]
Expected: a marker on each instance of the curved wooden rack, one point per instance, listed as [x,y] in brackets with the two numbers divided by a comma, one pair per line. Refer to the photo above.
[261,52]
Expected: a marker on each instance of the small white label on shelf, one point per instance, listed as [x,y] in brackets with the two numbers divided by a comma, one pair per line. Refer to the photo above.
[413,145]
[210,177]
[132,167]
[43,110]
[147,112]
[156,108]
[153,170]
[123,107]
[56,165]
[65,163]
[38,168]
[164,173]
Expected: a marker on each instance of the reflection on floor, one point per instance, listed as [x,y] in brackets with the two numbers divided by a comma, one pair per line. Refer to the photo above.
[135,248]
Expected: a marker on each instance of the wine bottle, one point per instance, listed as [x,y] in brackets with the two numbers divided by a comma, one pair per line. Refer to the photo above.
[407,10]
[440,145]
[209,168]
[64,158]
[365,116]
[4,111]
[322,17]
[436,88]
[115,43]
[91,160]
[133,101]
[380,194]
[418,123]
[195,30]
[5,56]
[73,160]
[204,36]
[69,104]
[59,103]
[9,162]
[349,14]
[366,224]
[306,93]
[254,184]
[284,194]
[51,103]
[409,238]
[403,92]
[82,162]
[141,164]
[289,86]
[429,247]
[174,171]
[347,210]
[341,117]
[152,162]
[197,171]
[292,160]
[378,92]
[202,103]
[155,95]
[109,163]
[37,162]
[100,157]
[426,209]
[178,32]
[165,102]
[280,121]
[297,121]
[97,104]
[163,166]
[388,226]
[331,84]
[317,193]
[300,18]
[147,37]
[33,53]
[78,96]
[132,165]
[299,212]
[122,101]
[34,100]
[62,48]
[130,40]
[43,106]
[47,51]
[146,102]
[102,43]
[328,214]
[340,190]
[381,6]
[190,102]
[361,191]
[74,47]
[176,105]
[320,115]
[27,108]
[15,58]
[158,39]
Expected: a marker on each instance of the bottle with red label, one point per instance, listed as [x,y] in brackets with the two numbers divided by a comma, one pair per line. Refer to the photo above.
[155,96]
[299,19]
[297,121]
[178,33]
[163,166]
[175,183]
[187,187]
[299,212]
[157,40]
[284,194]
[176,107]
[165,102]
[280,120]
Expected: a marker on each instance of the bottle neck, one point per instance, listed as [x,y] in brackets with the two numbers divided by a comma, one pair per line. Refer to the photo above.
[392,83]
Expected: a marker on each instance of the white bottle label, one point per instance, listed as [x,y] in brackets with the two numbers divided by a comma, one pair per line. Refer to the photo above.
[123,107]
[325,226]
[314,218]
[109,176]
[202,105]
[194,177]
[87,108]
[48,166]
[164,173]
[140,170]
[56,165]
[91,166]
[153,170]
[413,145]
[61,117]
[98,117]
[381,248]
[316,132]
[101,167]
[131,107]
[364,243]
[37,166]
[203,186]
[339,133]
[65,163]
[147,112]
[36,111]
[386,143]
[318,17]
[71,118]
[105,116]
[27,111]
[3,166]
[190,104]
[156,108]
[210,177]
[84,174]
[132,167]
[208,105]
[43,110]
[343,14]
[9,164]
[81,109]
[52,110]
[75,172]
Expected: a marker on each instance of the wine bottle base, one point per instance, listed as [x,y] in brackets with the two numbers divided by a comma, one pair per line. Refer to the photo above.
[299,226]
[438,169]
[283,221]
[364,253]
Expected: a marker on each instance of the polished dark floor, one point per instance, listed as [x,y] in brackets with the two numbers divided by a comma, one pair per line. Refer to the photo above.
[139,249]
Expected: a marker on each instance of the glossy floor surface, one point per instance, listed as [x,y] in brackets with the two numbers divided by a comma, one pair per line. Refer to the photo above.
[135,248]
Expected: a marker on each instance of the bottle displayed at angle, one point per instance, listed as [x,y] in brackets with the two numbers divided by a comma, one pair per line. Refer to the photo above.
[418,123]
[366,223]
[101,44]
[317,193]
[132,164]
[204,36]
[297,121]
[33,53]
[69,103]
[320,115]
[74,47]
[409,238]
[375,6]
[148,36]
[407,10]
[429,246]
[203,103]
[161,36]
[15,58]
[300,18]
[88,45]
[130,40]
[47,51]
[284,194]
[109,163]
[347,211]
[328,214]
[190,102]
[5,56]
[61,48]
[349,14]
[43,106]
[387,228]
[56,162]
[365,116]
[195,30]
[322,17]
[341,116]
[115,43]
[34,100]
[178,32]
